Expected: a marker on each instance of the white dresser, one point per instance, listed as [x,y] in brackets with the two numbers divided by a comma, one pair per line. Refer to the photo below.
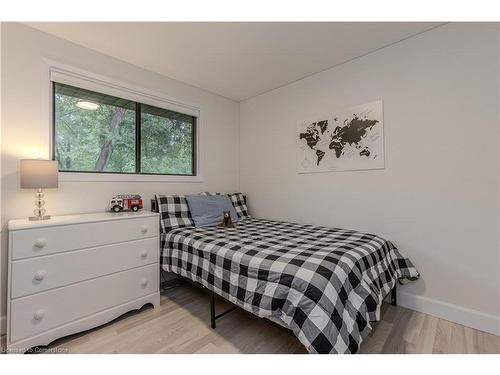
[75,272]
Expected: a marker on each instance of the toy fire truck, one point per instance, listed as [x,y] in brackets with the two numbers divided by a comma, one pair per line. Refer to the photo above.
[125,202]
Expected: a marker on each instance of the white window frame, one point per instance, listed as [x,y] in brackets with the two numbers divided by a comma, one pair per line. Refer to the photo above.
[58,72]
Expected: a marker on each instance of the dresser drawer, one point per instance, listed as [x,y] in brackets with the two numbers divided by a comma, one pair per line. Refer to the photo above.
[34,275]
[47,310]
[34,242]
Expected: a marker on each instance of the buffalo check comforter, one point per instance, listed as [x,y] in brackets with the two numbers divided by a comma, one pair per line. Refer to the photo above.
[324,284]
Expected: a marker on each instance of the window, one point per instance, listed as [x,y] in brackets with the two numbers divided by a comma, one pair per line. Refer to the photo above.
[165,134]
[95,132]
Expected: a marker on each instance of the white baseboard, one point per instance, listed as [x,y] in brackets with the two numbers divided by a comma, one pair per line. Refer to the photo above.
[457,314]
[3,325]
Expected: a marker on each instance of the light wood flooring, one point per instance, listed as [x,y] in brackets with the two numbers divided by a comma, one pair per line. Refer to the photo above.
[181,325]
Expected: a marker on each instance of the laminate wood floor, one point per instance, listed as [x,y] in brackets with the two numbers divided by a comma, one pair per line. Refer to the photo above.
[181,325]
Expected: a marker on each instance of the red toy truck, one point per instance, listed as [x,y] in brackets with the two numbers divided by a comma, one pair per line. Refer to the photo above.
[125,202]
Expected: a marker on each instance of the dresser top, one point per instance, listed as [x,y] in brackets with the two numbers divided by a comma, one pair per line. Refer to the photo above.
[18,224]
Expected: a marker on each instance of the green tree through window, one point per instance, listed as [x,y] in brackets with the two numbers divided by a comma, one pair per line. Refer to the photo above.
[94,132]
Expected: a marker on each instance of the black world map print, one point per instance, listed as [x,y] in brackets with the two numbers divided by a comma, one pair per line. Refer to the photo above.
[351,139]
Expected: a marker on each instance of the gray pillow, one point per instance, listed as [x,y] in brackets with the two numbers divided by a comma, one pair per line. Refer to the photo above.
[208,210]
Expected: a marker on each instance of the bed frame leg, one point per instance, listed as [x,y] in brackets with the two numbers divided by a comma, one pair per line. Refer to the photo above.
[214,317]
[394,298]
[212,310]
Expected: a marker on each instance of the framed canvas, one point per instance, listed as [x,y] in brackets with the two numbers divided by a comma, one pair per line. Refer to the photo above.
[349,139]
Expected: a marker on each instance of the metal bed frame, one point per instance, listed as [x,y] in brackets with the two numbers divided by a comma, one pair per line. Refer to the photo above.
[213,295]
[214,316]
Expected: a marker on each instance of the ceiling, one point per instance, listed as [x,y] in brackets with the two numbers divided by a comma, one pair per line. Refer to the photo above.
[235,60]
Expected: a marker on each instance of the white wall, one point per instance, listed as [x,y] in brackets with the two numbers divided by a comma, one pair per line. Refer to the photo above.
[25,125]
[437,198]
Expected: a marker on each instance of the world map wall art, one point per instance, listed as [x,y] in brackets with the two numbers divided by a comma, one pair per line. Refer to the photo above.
[350,139]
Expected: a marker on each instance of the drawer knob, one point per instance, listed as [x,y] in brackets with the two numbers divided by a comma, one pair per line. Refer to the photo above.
[39,314]
[144,253]
[40,275]
[144,229]
[40,243]
[144,283]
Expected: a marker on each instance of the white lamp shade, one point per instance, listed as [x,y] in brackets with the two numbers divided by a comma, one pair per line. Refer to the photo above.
[39,174]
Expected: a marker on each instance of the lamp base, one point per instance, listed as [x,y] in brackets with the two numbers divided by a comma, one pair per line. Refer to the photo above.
[39,210]
[38,218]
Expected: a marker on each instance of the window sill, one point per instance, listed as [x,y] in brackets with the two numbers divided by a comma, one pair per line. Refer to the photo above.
[117,177]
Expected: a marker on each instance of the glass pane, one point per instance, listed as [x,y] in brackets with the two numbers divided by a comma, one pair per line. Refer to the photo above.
[166,141]
[93,132]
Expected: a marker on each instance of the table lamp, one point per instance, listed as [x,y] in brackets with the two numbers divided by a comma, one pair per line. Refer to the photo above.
[39,174]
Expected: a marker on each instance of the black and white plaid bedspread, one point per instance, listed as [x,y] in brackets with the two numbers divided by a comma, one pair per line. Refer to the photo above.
[325,284]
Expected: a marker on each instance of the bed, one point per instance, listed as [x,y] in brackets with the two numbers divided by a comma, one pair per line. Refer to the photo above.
[324,284]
